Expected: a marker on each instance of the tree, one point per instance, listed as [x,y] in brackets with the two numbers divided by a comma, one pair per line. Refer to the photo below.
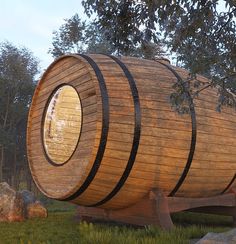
[96,41]
[148,50]
[202,36]
[18,68]
[121,22]
[69,38]
[75,36]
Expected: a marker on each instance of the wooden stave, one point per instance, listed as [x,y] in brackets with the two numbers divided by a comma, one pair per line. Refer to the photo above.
[111,205]
[44,189]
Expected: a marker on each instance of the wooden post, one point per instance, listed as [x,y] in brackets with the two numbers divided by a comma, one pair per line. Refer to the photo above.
[152,210]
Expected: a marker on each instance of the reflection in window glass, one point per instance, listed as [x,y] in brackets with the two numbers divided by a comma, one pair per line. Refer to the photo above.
[62,124]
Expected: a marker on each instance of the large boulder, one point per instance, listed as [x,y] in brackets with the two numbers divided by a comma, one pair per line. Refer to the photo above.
[11,204]
[219,238]
[18,206]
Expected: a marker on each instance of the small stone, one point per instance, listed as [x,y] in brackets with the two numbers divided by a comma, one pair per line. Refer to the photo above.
[36,210]
[28,197]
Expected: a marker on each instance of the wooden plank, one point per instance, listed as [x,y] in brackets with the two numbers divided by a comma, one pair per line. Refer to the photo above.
[165,135]
[62,64]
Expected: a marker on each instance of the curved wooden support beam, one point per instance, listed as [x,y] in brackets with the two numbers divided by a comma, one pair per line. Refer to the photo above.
[155,209]
[151,210]
[177,204]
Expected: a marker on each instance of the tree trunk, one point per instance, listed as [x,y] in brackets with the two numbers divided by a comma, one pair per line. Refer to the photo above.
[17,180]
[2,147]
[7,111]
[1,163]
[28,180]
[14,173]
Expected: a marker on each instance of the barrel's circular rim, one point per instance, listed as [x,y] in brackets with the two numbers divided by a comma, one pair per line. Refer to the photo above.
[31,167]
[43,124]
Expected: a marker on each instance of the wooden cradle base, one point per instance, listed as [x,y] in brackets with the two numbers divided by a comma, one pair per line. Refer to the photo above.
[155,209]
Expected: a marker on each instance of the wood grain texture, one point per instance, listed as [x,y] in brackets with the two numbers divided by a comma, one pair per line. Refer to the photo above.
[71,175]
[165,135]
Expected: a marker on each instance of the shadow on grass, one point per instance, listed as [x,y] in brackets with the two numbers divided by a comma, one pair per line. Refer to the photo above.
[199,219]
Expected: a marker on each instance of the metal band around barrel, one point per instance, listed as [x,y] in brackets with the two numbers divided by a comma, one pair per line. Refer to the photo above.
[104,132]
[194,134]
[137,131]
[229,185]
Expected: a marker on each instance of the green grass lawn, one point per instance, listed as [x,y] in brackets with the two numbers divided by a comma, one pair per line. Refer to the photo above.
[62,227]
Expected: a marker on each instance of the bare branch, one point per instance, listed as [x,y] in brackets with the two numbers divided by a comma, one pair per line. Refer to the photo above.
[202,89]
[230,16]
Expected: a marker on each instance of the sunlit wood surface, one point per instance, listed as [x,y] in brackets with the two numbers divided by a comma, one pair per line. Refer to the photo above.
[164,142]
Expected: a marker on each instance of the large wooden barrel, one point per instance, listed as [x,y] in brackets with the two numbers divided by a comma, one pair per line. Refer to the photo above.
[102,132]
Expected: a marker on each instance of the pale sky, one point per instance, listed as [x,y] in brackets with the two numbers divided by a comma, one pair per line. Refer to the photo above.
[30,23]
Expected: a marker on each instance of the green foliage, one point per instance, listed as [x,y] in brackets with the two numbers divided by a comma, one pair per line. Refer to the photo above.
[18,68]
[121,22]
[96,41]
[204,39]
[75,36]
[62,227]
[199,33]
[149,50]
[69,38]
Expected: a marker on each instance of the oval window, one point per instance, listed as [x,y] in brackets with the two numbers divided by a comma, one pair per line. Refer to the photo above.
[62,124]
